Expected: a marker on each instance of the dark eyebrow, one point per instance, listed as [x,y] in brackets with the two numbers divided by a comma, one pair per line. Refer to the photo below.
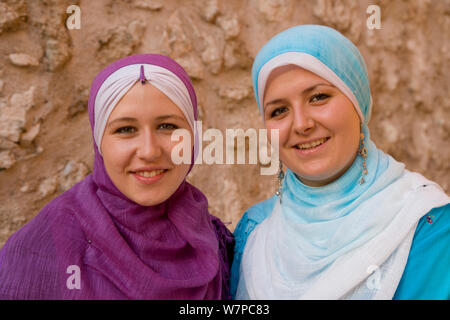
[303,92]
[168,116]
[160,118]
[122,119]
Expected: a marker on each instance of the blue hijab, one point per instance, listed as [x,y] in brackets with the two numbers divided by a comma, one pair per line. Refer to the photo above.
[324,242]
[329,47]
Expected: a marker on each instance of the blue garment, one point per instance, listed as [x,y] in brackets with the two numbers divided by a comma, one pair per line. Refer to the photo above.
[427,272]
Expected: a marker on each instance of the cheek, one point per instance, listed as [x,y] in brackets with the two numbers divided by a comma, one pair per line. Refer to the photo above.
[353,136]
[344,122]
[181,172]
[340,117]
[116,154]
[181,144]
[283,128]
[174,179]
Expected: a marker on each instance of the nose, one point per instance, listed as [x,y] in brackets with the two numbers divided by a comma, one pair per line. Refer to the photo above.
[149,148]
[303,122]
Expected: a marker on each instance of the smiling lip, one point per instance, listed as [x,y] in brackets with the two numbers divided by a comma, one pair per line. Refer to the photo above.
[149,175]
[312,149]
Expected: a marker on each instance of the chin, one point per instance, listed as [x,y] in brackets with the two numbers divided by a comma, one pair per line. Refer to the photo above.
[314,177]
[317,179]
[148,200]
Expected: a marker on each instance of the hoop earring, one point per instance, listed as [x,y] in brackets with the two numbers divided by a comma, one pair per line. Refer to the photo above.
[280,177]
[363,153]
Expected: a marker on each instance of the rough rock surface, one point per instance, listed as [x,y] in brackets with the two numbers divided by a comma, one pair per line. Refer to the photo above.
[46,71]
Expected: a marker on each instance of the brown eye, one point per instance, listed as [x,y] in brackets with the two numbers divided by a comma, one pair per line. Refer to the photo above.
[319,97]
[125,130]
[278,111]
[168,126]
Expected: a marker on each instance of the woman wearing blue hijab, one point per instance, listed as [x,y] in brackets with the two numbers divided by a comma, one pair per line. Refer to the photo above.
[348,221]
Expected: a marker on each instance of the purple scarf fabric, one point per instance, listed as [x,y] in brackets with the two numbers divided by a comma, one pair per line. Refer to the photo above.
[174,250]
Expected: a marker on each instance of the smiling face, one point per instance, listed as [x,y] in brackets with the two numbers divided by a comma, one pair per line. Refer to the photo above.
[136,145]
[318,126]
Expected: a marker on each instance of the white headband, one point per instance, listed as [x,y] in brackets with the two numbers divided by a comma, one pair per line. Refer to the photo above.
[120,81]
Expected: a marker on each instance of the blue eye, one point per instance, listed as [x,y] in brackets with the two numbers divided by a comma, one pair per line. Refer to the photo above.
[278,111]
[125,130]
[318,97]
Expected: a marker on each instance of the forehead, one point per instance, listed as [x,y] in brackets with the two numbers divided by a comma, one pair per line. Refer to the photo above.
[297,76]
[145,100]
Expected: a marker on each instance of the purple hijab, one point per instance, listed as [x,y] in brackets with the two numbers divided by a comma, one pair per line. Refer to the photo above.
[118,248]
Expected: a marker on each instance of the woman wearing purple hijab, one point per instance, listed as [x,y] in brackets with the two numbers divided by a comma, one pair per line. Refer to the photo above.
[134,228]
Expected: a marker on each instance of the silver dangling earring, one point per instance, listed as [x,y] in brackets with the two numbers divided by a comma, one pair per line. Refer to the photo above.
[280,177]
[363,153]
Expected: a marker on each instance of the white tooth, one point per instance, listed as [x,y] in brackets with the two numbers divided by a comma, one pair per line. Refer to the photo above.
[311,144]
[149,174]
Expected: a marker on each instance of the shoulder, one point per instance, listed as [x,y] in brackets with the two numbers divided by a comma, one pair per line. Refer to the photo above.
[56,218]
[435,224]
[252,217]
[432,235]
[53,215]
[32,253]
[426,273]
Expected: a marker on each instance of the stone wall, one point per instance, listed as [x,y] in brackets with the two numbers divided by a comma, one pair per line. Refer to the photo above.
[46,70]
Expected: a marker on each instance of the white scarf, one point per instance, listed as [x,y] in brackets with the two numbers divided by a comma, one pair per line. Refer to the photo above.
[360,255]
